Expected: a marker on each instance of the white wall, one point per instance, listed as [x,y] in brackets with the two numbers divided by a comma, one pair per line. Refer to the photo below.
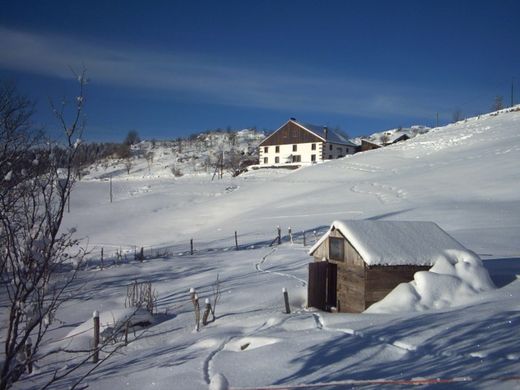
[286,152]
[322,152]
[337,151]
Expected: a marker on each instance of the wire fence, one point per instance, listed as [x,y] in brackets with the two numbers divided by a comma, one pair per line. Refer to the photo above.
[106,255]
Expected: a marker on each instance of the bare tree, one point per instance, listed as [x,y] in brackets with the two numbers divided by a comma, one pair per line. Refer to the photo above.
[128,164]
[384,138]
[132,138]
[457,116]
[36,178]
[149,156]
[498,103]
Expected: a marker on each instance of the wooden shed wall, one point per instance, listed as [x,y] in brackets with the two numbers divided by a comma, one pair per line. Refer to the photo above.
[380,280]
[351,275]
[290,133]
[360,285]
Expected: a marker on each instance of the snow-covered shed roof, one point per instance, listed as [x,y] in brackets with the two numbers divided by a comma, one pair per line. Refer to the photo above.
[397,242]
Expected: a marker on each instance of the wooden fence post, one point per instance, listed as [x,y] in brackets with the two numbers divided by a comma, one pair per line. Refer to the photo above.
[28,355]
[95,356]
[289,230]
[286,300]
[236,240]
[207,310]
[141,255]
[279,235]
[191,246]
[304,240]
[102,258]
[110,188]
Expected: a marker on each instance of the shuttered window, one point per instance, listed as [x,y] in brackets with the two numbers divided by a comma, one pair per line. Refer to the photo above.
[336,248]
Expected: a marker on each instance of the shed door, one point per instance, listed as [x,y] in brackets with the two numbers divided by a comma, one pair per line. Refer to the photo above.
[332,285]
[317,287]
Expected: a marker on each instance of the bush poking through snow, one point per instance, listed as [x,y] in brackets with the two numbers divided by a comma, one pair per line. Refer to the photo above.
[176,172]
[141,295]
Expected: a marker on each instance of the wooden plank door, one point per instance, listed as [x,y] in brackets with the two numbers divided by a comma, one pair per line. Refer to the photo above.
[332,285]
[317,286]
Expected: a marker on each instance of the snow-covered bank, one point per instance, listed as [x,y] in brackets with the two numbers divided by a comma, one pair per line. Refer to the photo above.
[464,177]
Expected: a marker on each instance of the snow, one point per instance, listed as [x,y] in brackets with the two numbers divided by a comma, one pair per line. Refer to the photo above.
[453,325]
[398,242]
[450,282]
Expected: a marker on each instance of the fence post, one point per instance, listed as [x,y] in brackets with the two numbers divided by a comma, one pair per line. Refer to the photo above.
[304,240]
[28,355]
[95,356]
[279,235]
[141,255]
[286,300]
[207,310]
[110,188]
[236,240]
[191,246]
[102,258]
[289,230]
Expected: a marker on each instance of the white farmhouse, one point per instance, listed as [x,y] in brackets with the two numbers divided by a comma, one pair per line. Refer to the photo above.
[296,143]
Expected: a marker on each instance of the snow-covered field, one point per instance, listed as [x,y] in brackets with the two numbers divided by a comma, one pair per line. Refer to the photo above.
[465,177]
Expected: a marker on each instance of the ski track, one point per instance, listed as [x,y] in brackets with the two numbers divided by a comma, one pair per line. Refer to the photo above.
[259,269]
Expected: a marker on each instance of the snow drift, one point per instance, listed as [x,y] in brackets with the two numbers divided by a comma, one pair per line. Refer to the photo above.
[455,278]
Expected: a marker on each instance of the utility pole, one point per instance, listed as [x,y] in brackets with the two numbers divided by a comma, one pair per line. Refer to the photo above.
[512,91]
[437,123]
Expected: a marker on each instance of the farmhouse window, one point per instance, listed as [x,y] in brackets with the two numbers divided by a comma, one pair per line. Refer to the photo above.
[313,147]
[265,160]
[336,248]
[277,149]
[330,147]
[277,160]
[296,158]
[313,157]
[294,148]
[266,149]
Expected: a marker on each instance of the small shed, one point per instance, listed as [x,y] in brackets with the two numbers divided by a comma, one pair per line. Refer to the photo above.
[357,263]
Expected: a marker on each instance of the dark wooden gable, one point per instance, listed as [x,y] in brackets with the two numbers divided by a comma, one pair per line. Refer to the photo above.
[290,133]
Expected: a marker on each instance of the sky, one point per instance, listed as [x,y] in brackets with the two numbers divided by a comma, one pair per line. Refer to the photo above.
[169,69]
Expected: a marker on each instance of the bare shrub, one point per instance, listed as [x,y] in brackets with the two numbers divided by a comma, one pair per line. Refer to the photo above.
[141,295]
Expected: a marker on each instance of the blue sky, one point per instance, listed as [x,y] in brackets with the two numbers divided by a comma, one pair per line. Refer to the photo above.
[172,68]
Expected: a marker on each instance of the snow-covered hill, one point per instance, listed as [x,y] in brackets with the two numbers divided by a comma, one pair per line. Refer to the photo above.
[392,135]
[465,177]
[197,155]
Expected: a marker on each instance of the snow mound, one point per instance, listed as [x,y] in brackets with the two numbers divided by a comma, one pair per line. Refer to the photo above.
[82,336]
[218,382]
[453,280]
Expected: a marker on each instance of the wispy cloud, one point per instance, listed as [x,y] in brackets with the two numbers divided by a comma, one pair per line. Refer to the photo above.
[202,78]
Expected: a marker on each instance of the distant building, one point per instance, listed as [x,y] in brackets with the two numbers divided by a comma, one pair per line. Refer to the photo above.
[368,145]
[299,143]
[357,263]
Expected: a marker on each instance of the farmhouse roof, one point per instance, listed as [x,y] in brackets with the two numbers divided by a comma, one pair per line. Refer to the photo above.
[397,242]
[319,131]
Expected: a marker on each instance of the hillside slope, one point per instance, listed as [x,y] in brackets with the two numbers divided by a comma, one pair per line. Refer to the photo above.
[464,176]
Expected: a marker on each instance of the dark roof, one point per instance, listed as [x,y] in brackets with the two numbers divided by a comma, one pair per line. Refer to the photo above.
[332,136]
